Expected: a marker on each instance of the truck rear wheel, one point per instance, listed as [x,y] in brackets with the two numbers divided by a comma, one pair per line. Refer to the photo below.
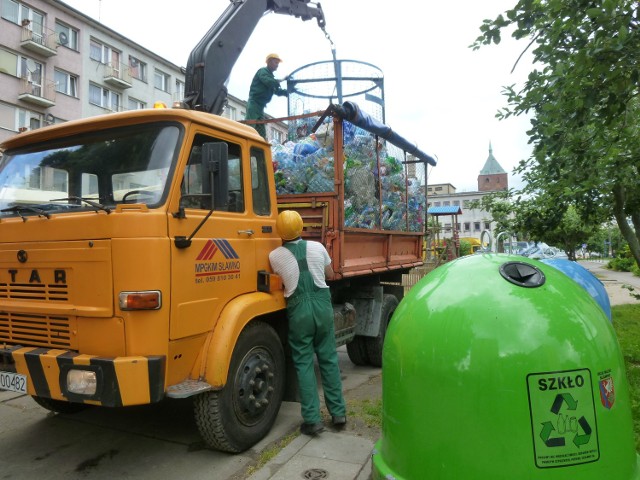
[242,413]
[357,351]
[60,406]
[374,344]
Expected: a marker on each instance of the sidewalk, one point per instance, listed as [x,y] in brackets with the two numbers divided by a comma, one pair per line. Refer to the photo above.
[613,282]
[335,455]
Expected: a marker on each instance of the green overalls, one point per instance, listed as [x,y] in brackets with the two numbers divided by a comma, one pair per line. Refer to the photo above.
[311,330]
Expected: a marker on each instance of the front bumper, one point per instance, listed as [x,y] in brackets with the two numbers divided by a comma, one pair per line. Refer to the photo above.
[121,381]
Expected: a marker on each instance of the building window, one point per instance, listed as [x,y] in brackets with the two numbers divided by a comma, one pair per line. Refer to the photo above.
[104,98]
[457,226]
[436,204]
[230,112]
[66,36]
[161,80]
[438,189]
[446,203]
[179,94]
[66,83]
[21,14]
[31,70]
[487,225]
[25,68]
[456,203]
[277,136]
[138,69]
[467,226]
[14,119]
[135,104]
[476,226]
[28,119]
[104,54]
[465,203]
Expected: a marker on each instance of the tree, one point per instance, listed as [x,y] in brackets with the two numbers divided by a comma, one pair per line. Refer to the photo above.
[583,98]
[538,219]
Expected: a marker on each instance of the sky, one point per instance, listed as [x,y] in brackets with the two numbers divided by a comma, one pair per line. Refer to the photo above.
[439,93]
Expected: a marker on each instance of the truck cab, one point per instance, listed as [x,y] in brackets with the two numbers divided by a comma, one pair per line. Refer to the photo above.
[131,246]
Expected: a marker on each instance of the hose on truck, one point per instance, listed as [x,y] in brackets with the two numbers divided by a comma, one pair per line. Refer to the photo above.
[351,112]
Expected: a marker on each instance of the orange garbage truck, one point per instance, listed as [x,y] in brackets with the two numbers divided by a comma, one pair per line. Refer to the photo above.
[134,267]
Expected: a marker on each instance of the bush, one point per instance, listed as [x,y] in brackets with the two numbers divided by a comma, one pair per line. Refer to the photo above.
[624,261]
[621,264]
[465,248]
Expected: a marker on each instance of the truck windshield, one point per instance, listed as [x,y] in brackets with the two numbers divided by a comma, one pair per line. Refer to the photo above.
[89,171]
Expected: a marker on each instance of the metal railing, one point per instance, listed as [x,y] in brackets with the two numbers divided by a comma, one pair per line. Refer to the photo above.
[46,39]
[46,90]
[118,71]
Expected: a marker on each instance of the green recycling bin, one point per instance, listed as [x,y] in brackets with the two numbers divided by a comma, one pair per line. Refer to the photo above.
[502,367]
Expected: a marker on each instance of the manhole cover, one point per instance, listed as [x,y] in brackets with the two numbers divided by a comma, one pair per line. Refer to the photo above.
[315,473]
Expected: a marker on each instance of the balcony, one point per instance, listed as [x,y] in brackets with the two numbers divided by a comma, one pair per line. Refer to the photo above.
[41,43]
[35,94]
[117,75]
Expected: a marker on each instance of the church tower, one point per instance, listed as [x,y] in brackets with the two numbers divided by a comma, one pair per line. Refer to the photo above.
[492,176]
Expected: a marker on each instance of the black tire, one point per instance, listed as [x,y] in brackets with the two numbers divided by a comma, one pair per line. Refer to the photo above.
[60,406]
[357,351]
[242,413]
[374,344]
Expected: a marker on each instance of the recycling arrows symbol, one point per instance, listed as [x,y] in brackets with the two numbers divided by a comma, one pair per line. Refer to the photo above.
[548,428]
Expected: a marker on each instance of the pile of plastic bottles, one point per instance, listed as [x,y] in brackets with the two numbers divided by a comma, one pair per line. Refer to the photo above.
[374,197]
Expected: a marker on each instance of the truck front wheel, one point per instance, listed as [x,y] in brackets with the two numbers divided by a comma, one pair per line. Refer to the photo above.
[374,344]
[242,413]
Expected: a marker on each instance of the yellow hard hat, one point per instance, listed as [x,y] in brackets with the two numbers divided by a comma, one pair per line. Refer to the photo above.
[273,55]
[289,225]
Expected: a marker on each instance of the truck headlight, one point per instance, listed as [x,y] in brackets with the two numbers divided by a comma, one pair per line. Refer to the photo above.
[83,382]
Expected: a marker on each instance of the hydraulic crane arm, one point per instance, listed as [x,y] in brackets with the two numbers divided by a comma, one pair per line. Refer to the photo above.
[211,61]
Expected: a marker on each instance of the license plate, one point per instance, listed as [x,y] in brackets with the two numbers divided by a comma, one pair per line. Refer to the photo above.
[13,382]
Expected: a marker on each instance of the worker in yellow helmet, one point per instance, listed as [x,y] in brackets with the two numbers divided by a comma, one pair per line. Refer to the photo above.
[304,267]
[263,86]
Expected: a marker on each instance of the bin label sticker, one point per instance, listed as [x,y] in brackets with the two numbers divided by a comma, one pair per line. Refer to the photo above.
[607,392]
[563,418]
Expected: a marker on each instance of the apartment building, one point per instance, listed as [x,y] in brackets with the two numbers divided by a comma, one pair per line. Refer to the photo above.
[472,221]
[57,64]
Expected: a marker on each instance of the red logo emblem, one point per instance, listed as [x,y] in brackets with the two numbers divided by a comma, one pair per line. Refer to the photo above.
[607,392]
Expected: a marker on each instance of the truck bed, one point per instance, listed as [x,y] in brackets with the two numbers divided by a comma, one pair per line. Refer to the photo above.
[355,196]
[353,251]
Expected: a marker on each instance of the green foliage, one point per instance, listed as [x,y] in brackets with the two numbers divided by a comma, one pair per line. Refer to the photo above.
[625,322]
[601,236]
[538,219]
[582,97]
[465,248]
[500,206]
[623,262]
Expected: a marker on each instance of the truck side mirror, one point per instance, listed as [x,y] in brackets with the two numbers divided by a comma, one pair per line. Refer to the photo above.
[215,159]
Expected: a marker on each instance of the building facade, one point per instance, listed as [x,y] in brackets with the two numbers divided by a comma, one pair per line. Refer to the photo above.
[472,221]
[57,64]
